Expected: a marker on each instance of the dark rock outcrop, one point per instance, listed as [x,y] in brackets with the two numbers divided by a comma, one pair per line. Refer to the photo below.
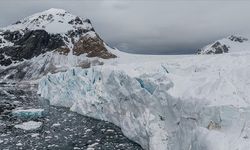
[219,48]
[31,44]
[12,36]
[5,61]
[94,47]
[225,45]
[237,39]
[216,48]
[36,42]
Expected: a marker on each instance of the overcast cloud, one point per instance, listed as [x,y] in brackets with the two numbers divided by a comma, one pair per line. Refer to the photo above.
[147,26]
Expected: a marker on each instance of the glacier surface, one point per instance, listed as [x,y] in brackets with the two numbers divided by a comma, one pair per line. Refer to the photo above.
[165,102]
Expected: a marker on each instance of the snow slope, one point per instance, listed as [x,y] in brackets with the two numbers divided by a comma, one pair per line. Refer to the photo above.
[52,20]
[190,102]
[229,44]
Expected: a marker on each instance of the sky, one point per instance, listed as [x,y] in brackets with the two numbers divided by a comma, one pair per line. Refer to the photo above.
[148,26]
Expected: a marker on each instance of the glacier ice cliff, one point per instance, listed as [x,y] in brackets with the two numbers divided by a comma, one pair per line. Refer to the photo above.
[146,112]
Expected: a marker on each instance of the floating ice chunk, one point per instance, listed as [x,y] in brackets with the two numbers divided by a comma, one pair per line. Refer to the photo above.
[29,113]
[56,124]
[30,125]
[110,130]
[92,145]
[19,144]
[35,135]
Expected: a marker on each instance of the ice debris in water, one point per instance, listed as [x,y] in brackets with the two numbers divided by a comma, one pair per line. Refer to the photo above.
[29,113]
[30,125]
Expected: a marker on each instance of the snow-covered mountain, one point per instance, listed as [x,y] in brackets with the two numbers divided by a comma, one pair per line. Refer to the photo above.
[229,44]
[49,41]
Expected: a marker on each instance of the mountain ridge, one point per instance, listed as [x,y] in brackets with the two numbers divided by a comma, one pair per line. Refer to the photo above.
[232,43]
[54,33]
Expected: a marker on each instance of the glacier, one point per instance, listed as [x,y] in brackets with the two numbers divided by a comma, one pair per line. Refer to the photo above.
[185,102]
[175,103]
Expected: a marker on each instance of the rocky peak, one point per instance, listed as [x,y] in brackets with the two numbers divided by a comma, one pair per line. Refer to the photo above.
[237,39]
[230,44]
[215,48]
[52,30]
[93,47]
[52,21]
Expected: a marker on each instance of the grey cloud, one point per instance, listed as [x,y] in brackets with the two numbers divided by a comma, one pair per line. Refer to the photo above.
[147,26]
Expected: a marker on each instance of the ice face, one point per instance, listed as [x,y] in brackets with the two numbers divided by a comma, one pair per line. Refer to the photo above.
[100,95]
[145,111]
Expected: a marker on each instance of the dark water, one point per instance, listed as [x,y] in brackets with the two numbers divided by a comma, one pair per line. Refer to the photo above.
[61,128]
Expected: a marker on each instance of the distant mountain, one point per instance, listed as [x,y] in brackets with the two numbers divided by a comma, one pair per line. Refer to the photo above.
[49,42]
[229,44]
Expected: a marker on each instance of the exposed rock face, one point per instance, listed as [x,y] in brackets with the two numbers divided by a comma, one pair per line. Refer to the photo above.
[237,39]
[5,108]
[48,35]
[12,36]
[31,44]
[93,47]
[216,48]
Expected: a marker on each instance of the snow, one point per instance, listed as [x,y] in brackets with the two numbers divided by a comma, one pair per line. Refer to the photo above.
[30,125]
[53,21]
[4,43]
[52,62]
[216,79]
[233,46]
[163,102]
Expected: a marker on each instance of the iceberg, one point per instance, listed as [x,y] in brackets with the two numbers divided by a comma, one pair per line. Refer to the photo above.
[30,125]
[28,113]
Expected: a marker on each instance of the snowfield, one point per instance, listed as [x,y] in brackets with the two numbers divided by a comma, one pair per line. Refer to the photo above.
[189,102]
[53,20]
